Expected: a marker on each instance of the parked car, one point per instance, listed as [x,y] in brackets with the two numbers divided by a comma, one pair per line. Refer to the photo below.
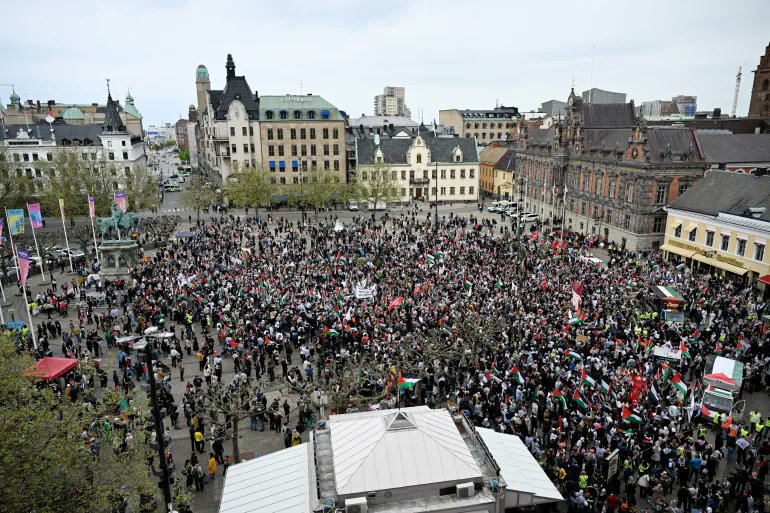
[528,218]
[352,205]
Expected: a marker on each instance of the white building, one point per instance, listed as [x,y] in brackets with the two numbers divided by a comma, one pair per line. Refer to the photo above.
[29,146]
[392,461]
[424,167]
[391,102]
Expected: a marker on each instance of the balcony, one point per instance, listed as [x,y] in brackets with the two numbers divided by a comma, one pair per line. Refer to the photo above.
[419,181]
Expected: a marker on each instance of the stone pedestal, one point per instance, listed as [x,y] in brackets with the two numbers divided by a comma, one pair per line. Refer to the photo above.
[117,256]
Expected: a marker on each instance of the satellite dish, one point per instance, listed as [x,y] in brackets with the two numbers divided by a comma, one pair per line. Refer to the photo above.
[49,119]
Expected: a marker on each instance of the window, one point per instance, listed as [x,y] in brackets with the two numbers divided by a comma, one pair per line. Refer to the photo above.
[251,131]
[411,174]
[611,191]
[312,150]
[284,114]
[303,133]
[303,150]
[283,179]
[243,131]
[280,133]
[125,155]
[630,193]
[280,151]
[599,185]
[678,231]
[84,156]
[443,191]
[295,179]
[403,191]
[683,188]
[311,114]
[458,158]
[425,174]
[471,190]
[122,143]
[462,173]
[627,222]
[312,133]
[326,165]
[419,158]
[451,173]
[326,133]
[433,174]
[293,133]
[443,174]
[462,191]
[394,175]
[271,151]
[403,174]
[451,191]
[693,233]
[26,157]
[232,131]
[270,134]
[759,252]
[293,150]
[725,242]
[608,215]
[297,114]
[269,115]
[326,149]
[433,191]
[364,176]
[234,148]
[740,247]
[49,157]
[336,165]
[245,148]
[112,155]
[661,193]
[336,149]
[336,133]
[471,173]
[709,238]
[251,146]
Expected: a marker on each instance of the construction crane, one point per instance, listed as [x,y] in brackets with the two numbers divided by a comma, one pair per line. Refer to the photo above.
[737,88]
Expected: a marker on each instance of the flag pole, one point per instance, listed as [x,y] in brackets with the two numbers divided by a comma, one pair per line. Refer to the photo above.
[34,238]
[92,214]
[66,240]
[2,289]
[29,313]
[13,248]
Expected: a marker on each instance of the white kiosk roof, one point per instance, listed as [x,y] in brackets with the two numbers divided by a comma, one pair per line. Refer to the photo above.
[526,481]
[274,483]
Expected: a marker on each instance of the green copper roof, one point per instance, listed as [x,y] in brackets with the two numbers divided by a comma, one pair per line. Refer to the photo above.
[304,104]
[73,113]
[130,108]
[201,72]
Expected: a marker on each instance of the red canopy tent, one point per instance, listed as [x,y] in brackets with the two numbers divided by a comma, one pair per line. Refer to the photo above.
[764,279]
[52,368]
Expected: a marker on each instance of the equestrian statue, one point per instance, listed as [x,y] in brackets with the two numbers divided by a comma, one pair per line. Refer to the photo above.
[119,220]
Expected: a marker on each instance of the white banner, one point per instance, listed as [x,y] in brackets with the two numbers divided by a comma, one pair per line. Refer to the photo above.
[365,292]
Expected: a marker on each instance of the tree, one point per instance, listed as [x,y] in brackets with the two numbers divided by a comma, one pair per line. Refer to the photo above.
[324,188]
[159,228]
[45,465]
[184,156]
[376,185]
[83,237]
[15,190]
[198,194]
[141,190]
[250,187]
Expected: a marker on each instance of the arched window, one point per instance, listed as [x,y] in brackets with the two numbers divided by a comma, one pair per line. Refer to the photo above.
[269,114]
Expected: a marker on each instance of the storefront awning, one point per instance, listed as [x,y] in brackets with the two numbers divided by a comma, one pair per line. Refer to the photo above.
[765,279]
[679,251]
[730,268]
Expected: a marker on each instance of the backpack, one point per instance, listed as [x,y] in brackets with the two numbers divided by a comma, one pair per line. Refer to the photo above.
[197,471]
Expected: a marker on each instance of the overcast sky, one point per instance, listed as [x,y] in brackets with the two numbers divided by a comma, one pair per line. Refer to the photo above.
[447,54]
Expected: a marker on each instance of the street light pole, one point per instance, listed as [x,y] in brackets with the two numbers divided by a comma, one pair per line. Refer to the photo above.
[435,203]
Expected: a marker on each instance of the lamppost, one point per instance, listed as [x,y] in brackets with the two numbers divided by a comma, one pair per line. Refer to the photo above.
[435,195]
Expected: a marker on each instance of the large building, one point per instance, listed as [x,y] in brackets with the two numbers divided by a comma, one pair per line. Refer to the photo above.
[486,126]
[595,95]
[659,108]
[287,134]
[722,225]
[737,153]
[31,112]
[392,102]
[686,104]
[606,173]
[31,146]
[392,461]
[498,168]
[425,167]
[759,105]
[553,108]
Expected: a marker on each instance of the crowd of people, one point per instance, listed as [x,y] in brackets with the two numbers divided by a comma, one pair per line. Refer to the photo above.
[529,337]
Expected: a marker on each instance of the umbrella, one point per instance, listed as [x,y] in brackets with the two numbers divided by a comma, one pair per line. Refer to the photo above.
[151,330]
[185,234]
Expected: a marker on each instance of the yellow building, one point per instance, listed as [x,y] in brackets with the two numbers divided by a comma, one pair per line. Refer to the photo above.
[498,166]
[722,225]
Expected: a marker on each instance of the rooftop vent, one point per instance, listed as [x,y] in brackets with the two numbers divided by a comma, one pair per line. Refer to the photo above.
[755,212]
[465,490]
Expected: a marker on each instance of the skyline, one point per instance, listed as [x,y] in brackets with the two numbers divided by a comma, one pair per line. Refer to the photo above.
[445,56]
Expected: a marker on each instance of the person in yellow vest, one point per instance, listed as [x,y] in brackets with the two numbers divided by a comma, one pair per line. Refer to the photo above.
[583,480]
[758,427]
[744,431]
[702,432]
[752,417]
[767,426]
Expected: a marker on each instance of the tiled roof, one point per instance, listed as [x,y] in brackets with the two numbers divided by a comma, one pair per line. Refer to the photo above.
[608,115]
[61,130]
[727,148]
[607,139]
[679,141]
[540,136]
[722,191]
[507,162]
[112,121]
[491,155]
[394,150]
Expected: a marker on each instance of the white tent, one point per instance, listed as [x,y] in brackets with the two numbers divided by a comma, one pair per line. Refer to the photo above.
[527,484]
[278,482]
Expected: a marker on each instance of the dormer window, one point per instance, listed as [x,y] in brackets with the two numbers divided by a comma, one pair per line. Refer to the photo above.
[284,114]
[311,114]
[458,158]
[269,114]
[297,114]
[378,159]
[419,158]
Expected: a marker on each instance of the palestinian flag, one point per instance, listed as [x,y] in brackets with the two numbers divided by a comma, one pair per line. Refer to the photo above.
[684,350]
[695,335]
[332,333]
[676,380]
[579,400]
[431,259]
[517,375]
[467,284]
[341,259]
[630,416]
[499,284]
[575,321]
[705,411]
[613,395]
[587,379]
[395,303]
[559,397]
[380,324]
[441,255]
[605,387]
[666,370]
[569,353]
[653,395]
[406,382]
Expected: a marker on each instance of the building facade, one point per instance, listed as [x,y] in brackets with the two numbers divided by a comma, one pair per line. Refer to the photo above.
[497,171]
[595,95]
[392,102]
[605,173]
[722,225]
[425,167]
[32,147]
[686,105]
[759,105]
[659,108]
[486,126]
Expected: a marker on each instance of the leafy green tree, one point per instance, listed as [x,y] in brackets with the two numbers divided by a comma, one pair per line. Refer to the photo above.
[199,194]
[250,187]
[15,190]
[184,156]
[376,185]
[324,188]
[141,190]
[45,464]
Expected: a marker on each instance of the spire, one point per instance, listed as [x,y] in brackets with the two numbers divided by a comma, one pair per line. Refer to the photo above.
[230,67]
[112,121]
[15,100]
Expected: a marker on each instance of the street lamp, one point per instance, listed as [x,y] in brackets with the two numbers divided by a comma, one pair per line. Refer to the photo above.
[435,195]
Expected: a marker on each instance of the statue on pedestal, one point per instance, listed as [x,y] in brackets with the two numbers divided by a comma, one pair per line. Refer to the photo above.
[119,220]
[118,254]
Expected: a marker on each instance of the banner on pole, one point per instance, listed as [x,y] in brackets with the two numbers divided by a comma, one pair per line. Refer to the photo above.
[91,207]
[16,221]
[61,207]
[23,267]
[35,216]
[1,231]
[120,200]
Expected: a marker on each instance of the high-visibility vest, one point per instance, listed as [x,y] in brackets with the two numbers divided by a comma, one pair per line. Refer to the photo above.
[744,431]
[716,419]
[702,432]
[733,431]
[727,422]
[583,481]
[758,427]
[752,415]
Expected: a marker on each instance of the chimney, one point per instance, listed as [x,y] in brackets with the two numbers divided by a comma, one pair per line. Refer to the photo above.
[717,113]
